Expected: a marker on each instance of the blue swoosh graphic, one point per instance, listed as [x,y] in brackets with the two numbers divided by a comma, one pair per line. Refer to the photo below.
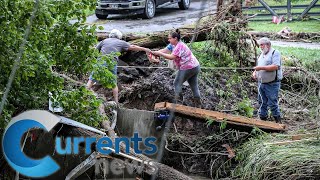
[17,159]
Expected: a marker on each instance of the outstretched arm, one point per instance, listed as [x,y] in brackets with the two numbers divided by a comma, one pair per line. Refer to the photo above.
[138,48]
[165,50]
[165,55]
[267,68]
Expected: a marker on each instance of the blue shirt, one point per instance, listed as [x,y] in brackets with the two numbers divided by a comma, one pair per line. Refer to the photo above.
[170,47]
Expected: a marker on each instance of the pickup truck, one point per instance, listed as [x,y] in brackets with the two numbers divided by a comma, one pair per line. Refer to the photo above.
[145,7]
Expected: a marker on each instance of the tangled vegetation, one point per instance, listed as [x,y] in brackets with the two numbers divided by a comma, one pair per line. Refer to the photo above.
[228,36]
[265,157]
[208,154]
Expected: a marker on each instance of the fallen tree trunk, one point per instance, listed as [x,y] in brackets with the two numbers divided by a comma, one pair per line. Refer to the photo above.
[227,11]
[160,39]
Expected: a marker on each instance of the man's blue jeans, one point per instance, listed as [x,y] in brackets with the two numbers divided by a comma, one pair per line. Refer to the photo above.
[268,98]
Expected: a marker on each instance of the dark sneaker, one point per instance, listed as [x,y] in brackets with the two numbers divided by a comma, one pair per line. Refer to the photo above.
[178,100]
[197,102]
[263,118]
[277,119]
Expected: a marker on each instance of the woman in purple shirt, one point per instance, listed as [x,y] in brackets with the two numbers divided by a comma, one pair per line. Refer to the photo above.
[187,64]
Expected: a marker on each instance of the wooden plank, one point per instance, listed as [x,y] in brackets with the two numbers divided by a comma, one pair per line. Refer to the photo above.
[160,106]
[219,116]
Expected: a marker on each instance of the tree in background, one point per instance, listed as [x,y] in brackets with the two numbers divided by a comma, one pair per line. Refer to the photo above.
[54,47]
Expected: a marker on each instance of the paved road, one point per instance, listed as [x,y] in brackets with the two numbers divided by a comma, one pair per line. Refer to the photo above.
[167,17]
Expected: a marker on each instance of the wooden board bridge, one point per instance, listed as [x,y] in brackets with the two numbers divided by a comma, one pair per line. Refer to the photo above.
[219,116]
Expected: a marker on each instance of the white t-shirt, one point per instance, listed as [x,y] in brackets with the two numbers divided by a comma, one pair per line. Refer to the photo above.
[273,57]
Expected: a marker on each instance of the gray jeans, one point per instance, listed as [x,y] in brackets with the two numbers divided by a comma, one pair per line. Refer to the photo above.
[190,75]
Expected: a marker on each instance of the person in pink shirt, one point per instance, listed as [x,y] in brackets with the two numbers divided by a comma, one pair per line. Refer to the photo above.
[187,64]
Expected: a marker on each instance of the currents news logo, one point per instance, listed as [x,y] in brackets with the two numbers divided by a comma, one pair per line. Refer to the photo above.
[46,166]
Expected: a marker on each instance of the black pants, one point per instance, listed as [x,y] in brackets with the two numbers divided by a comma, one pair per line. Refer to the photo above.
[190,75]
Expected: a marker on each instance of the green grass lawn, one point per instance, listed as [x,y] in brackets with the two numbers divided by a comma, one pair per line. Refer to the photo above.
[310,25]
[309,58]
[283,3]
[295,26]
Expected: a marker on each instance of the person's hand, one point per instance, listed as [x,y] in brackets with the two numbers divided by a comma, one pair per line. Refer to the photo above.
[254,75]
[158,53]
[152,57]
[257,68]
[147,50]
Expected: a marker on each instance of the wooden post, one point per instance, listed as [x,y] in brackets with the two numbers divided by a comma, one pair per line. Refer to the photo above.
[289,10]
[219,5]
[308,8]
[268,8]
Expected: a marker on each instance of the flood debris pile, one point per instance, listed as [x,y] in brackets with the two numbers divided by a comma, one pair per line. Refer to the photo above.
[229,41]
[299,99]
[158,87]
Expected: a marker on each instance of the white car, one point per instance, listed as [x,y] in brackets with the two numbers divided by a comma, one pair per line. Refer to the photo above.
[145,7]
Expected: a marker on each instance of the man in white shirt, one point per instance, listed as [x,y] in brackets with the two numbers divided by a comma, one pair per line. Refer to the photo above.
[268,73]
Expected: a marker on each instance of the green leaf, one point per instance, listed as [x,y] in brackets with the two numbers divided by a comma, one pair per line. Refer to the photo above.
[100,27]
